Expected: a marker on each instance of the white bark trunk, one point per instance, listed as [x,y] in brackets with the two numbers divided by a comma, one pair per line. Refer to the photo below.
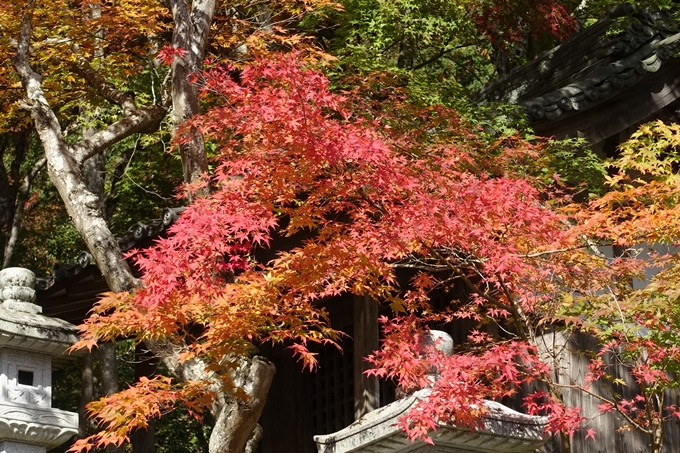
[64,164]
[235,419]
[192,26]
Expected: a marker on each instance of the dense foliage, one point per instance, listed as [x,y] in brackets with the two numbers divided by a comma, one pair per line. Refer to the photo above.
[365,183]
[365,200]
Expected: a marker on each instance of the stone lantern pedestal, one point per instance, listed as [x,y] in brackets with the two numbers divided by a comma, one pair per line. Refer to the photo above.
[29,342]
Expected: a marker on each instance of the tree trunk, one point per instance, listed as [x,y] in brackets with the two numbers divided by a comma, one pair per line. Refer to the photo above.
[64,163]
[235,429]
[86,395]
[235,419]
[192,25]
[22,198]
[108,365]
[12,196]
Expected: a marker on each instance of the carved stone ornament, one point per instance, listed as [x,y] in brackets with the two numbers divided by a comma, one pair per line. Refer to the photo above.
[44,427]
[16,290]
[22,326]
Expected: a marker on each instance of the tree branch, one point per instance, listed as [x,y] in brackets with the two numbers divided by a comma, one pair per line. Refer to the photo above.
[104,88]
[476,289]
[438,55]
[144,119]
[30,79]
[613,403]
[19,211]
[553,252]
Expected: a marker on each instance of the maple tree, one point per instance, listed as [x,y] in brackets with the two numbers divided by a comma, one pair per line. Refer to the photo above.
[367,199]
[86,74]
[637,325]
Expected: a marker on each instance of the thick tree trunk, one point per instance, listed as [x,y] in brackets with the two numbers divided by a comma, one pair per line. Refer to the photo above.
[236,420]
[236,429]
[192,25]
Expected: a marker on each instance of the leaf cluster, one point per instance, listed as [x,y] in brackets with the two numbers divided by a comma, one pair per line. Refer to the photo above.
[311,202]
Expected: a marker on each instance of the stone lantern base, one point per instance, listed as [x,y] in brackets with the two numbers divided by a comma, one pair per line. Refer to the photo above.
[17,447]
[29,342]
[42,427]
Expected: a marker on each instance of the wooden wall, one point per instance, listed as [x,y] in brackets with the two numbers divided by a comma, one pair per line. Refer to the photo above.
[611,437]
[302,404]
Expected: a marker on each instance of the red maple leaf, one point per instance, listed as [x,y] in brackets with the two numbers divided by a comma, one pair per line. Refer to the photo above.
[168,54]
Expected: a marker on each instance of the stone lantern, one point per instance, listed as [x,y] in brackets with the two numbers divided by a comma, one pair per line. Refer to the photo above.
[504,430]
[29,342]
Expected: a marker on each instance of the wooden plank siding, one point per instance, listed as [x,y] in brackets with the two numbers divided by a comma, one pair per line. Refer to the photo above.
[571,364]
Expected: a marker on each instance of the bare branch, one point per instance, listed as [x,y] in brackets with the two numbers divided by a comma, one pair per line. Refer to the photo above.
[593,247]
[552,252]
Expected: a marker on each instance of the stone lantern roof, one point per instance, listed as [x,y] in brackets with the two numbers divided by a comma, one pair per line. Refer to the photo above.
[503,429]
[22,324]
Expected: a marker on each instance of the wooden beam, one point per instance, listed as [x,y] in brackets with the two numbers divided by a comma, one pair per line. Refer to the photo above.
[366,389]
[143,440]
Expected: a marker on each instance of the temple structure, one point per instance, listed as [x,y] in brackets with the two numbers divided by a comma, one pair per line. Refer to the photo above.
[598,85]
[605,80]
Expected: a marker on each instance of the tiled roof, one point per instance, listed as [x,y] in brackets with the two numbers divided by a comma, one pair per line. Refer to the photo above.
[71,290]
[597,69]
